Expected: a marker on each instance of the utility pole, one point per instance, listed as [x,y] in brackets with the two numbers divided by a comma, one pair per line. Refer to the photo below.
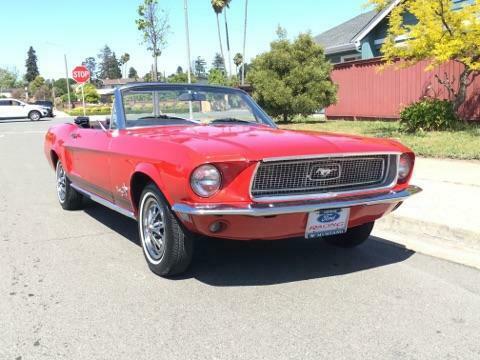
[68,82]
[187,33]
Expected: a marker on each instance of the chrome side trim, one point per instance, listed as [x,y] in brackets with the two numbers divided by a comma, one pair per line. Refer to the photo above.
[257,209]
[104,202]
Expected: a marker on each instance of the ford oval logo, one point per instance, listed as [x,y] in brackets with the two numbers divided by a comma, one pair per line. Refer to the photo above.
[328,217]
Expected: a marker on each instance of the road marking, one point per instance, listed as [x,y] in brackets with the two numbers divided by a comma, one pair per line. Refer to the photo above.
[22,132]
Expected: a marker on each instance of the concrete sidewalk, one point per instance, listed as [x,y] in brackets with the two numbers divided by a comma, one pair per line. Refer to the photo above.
[443,220]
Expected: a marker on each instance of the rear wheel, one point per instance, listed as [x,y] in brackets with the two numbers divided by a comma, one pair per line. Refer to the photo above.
[69,198]
[167,247]
[353,237]
[34,115]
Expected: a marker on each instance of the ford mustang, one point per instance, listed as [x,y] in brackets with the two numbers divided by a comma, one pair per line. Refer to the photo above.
[187,160]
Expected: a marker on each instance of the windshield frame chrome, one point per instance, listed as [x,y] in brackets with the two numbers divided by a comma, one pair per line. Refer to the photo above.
[119,92]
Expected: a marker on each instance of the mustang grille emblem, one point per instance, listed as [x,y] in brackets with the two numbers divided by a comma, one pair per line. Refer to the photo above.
[324,172]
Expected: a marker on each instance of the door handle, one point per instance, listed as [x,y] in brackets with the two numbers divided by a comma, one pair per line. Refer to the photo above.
[74,135]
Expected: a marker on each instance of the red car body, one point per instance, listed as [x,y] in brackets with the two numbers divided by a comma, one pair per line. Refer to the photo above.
[111,166]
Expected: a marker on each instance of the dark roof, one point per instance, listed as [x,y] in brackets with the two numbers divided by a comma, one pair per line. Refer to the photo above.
[344,34]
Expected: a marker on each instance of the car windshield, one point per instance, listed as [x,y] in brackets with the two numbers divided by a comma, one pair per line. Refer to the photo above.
[152,106]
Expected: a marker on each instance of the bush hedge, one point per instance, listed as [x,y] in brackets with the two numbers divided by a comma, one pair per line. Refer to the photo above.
[94,110]
[429,115]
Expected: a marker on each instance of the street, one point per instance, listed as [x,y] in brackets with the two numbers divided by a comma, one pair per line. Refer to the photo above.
[75,285]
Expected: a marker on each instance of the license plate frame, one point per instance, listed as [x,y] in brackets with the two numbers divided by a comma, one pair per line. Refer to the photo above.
[321,223]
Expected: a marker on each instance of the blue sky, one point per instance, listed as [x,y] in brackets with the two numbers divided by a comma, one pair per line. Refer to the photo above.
[80,28]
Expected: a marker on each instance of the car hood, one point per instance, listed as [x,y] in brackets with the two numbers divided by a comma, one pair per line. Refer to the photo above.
[244,142]
[36,107]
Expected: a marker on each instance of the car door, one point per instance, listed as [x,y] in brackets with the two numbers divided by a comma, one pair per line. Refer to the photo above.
[4,105]
[18,109]
[90,164]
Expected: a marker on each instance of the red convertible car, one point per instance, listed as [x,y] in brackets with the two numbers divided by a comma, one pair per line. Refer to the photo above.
[185,160]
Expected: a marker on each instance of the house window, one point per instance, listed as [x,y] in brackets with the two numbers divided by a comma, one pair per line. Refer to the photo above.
[348,58]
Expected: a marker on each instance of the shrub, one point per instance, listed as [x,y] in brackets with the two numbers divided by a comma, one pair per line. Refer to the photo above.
[97,110]
[293,78]
[429,115]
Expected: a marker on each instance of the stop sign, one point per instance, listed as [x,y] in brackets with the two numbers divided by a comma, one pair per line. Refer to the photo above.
[80,74]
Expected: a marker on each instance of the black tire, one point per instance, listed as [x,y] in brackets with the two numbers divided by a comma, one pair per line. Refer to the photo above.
[353,237]
[68,197]
[168,248]
[34,115]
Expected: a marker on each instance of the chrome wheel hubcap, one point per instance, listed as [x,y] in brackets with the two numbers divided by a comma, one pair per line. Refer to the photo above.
[61,183]
[153,228]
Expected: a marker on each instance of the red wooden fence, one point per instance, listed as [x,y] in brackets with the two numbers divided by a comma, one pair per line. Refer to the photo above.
[366,91]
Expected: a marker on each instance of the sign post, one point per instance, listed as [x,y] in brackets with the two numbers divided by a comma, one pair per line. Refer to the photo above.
[81,75]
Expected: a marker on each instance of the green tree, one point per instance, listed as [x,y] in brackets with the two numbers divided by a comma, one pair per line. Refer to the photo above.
[218,63]
[148,77]
[442,33]
[237,60]
[91,64]
[200,68]
[217,77]
[179,70]
[44,92]
[132,73]
[91,94]
[292,78]
[8,78]
[124,59]
[154,25]
[180,77]
[109,67]
[31,65]
[60,86]
[242,72]
[36,84]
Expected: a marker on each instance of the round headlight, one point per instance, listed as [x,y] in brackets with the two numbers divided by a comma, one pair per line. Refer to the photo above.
[205,180]
[404,167]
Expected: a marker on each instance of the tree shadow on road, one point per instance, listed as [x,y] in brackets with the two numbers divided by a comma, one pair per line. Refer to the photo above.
[219,262]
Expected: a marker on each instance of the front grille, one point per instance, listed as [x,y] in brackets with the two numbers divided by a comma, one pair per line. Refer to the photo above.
[321,175]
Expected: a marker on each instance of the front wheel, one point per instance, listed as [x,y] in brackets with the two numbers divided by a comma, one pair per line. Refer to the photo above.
[34,115]
[353,237]
[166,245]
[69,198]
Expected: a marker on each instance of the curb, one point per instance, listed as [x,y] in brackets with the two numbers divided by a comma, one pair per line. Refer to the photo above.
[438,240]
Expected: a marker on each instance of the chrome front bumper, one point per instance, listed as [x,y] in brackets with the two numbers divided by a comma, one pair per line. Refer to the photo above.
[257,209]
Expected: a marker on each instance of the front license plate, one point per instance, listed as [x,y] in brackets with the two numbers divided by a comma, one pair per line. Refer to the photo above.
[327,222]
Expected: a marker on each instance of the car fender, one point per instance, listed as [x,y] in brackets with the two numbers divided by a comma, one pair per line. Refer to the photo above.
[54,142]
[153,173]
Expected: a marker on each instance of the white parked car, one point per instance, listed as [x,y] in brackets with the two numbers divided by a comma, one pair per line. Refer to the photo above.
[13,108]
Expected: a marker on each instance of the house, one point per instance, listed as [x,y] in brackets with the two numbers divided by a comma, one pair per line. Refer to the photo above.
[361,38]
[365,92]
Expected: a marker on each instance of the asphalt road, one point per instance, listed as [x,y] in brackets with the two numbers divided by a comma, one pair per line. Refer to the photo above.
[74,285]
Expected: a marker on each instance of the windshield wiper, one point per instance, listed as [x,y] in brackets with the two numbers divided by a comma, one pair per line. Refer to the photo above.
[232,120]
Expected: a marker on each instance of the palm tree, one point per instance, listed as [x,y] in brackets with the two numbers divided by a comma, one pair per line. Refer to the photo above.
[227,36]
[218,6]
[123,62]
[244,42]
[237,60]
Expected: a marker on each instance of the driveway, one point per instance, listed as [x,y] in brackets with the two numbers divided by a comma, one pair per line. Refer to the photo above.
[74,285]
